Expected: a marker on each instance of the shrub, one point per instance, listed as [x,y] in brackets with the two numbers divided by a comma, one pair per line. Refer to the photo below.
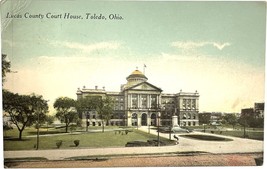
[59,143]
[76,142]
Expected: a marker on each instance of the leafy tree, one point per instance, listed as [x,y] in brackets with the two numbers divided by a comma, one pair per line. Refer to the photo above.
[231,119]
[204,118]
[84,105]
[247,118]
[66,111]
[105,109]
[260,122]
[24,110]
[5,66]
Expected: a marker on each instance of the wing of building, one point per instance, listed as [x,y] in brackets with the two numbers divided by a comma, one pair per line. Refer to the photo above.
[142,103]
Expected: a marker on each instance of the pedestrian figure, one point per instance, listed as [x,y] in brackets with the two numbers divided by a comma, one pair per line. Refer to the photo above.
[177,139]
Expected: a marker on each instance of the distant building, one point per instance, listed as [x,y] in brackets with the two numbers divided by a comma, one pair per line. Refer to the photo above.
[247,112]
[140,103]
[213,118]
[259,109]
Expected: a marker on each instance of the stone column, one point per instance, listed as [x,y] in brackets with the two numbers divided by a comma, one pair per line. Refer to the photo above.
[148,101]
[129,118]
[138,119]
[157,100]
[148,119]
[197,104]
[140,101]
[130,100]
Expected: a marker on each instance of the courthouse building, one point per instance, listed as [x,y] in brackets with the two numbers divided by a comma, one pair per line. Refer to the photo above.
[142,103]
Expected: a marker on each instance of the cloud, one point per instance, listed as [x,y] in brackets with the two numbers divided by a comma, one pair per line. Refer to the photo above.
[191,45]
[88,48]
[220,81]
[220,46]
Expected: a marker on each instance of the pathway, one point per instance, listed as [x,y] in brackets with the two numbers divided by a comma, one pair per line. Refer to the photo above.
[238,145]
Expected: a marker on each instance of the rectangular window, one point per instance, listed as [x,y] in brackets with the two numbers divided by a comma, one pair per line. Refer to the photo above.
[143,101]
[153,101]
[121,106]
[134,101]
[189,104]
[184,104]
[194,104]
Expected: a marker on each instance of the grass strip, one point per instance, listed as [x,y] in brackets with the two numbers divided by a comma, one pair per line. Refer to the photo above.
[25,159]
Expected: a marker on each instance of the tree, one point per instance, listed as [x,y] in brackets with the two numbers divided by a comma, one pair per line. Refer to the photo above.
[24,110]
[5,66]
[85,105]
[230,119]
[105,109]
[66,111]
[247,118]
[204,118]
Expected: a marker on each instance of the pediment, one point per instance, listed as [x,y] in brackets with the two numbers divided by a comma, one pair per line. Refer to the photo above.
[145,86]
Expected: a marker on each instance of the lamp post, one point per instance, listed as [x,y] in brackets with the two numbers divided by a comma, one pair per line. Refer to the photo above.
[158,127]
[86,121]
[204,126]
[38,124]
[137,122]
[37,140]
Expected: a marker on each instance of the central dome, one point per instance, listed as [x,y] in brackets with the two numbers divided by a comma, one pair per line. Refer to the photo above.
[136,74]
[135,77]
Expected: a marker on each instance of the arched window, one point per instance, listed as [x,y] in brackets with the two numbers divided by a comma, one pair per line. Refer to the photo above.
[184,116]
[188,116]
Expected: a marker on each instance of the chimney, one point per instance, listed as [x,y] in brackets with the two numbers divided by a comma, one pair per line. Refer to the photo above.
[96,87]
[103,87]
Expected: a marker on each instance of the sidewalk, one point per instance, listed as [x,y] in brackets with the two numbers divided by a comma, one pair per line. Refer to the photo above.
[238,145]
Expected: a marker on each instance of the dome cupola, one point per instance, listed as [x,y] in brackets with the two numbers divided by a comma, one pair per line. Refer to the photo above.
[136,77]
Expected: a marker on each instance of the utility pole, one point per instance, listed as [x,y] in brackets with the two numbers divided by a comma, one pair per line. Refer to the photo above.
[37,141]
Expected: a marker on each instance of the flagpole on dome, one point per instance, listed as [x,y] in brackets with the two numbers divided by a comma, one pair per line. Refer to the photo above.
[144,69]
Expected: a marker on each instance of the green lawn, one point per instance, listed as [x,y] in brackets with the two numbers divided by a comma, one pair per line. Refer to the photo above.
[256,135]
[252,133]
[99,139]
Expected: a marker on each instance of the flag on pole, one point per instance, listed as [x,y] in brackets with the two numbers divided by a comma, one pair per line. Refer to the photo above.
[144,68]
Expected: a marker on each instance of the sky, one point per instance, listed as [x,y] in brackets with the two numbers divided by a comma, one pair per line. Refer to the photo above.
[216,48]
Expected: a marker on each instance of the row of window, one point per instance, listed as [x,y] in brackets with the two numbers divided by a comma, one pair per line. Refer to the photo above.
[143,99]
[114,116]
[189,116]
[115,123]
[189,104]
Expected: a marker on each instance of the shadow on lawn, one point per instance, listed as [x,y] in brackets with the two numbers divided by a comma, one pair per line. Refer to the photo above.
[46,132]
[9,138]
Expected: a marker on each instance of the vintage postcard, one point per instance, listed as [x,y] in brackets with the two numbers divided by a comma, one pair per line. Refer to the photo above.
[132,83]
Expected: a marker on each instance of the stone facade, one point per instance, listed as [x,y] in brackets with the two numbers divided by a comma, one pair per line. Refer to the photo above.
[140,103]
